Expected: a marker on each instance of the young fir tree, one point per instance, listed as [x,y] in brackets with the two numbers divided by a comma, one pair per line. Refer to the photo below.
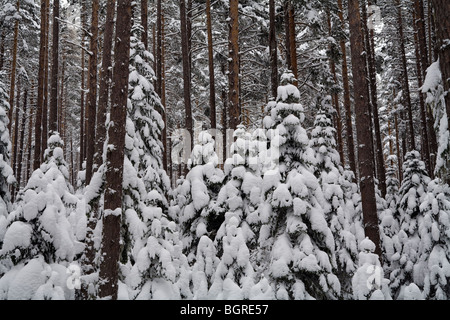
[152,263]
[389,225]
[6,172]
[434,89]
[195,199]
[435,236]
[295,239]
[412,192]
[237,201]
[40,238]
[368,281]
[330,173]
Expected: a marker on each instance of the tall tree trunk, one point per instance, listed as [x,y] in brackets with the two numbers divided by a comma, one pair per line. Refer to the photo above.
[405,82]
[53,114]
[30,132]
[419,22]
[381,170]
[144,22]
[335,100]
[397,147]
[105,82]
[44,135]
[287,31]
[273,50]
[109,266]
[62,101]
[233,66]
[163,95]
[441,10]
[423,116]
[347,101]
[82,112]
[13,69]
[365,149]
[20,157]
[212,86]
[83,88]
[292,42]
[158,48]
[15,139]
[92,97]
[40,94]
[2,49]
[186,71]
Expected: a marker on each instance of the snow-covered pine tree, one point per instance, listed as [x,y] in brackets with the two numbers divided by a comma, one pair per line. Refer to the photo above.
[40,241]
[6,172]
[435,236]
[330,173]
[434,89]
[195,199]
[368,281]
[412,192]
[145,113]
[238,200]
[152,263]
[295,238]
[389,226]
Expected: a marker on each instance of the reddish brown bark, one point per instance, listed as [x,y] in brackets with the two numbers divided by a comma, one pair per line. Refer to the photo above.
[273,50]
[212,86]
[233,66]
[365,149]
[91,111]
[186,70]
[347,101]
[13,70]
[405,82]
[109,267]
[53,113]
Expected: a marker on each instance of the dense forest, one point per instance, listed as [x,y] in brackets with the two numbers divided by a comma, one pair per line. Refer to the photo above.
[224,150]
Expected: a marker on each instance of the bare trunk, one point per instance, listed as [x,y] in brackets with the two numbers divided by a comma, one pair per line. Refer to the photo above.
[15,139]
[419,20]
[212,86]
[13,70]
[82,113]
[335,100]
[347,101]
[44,136]
[405,82]
[365,149]
[158,48]
[19,158]
[40,94]
[144,21]
[105,82]
[109,266]
[186,70]
[92,97]
[2,49]
[233,65]
[381,170]
[30,132]
[423,116]
[163,96]
[53,114]
[273,50]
